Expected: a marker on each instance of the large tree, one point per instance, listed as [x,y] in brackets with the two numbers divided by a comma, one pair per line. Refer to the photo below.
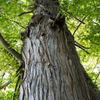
[50,66]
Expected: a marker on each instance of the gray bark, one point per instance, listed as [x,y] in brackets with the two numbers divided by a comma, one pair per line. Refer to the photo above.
[52,67]
[10,50]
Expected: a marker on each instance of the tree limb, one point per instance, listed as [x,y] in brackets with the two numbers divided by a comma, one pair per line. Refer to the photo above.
[6,84]
[79,25]
[12,51]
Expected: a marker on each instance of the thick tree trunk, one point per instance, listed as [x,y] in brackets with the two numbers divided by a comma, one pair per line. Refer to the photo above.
[52,67]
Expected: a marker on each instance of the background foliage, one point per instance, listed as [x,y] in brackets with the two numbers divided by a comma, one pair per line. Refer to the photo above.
[86,33]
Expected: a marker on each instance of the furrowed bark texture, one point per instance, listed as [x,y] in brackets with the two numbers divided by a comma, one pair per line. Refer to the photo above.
[52,67]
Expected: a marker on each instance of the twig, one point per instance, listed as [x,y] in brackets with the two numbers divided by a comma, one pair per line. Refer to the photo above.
[16,87]
[96,63]
[82,45]
[79,25]
[97,77]
[6,84]
[76,18]
[81,48]
[71,24]
[25,13]
[2,77]
[96,24]
[73,16]
[16,23]
[94,43]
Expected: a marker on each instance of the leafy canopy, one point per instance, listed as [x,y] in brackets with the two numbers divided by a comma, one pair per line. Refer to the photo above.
[82,19]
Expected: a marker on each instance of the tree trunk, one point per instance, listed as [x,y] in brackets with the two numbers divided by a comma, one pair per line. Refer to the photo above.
[52,67]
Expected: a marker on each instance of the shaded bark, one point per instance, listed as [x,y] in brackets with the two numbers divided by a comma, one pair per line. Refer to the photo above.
[52,66]
[10,50]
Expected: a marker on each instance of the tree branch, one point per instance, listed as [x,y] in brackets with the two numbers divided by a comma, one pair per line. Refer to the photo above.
[71,24]
[81,45]
[73,16]
[25,13]
[3,76]
[16,23]
[79,25]
[12,51]
[6,84]
[81,48]
[96,24]
[76,18]
[96,63]
[97,76]
[94,43]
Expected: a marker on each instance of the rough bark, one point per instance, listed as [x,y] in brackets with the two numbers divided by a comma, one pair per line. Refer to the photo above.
[52,67]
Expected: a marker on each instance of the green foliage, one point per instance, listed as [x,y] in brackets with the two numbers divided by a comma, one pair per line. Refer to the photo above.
[88,35]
